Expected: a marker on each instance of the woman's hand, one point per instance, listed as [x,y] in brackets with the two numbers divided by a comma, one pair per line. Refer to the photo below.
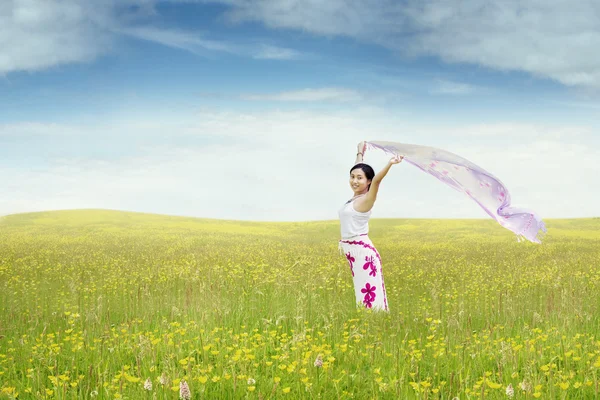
[396,160]
[361,147]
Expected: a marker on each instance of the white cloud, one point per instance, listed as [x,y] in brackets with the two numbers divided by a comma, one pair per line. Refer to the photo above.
[547,38]
[22,130]
[40,34]
[293,166]
[308,95]
[452,88]
[189,41]
[268,52]
[37,34]
[195,43]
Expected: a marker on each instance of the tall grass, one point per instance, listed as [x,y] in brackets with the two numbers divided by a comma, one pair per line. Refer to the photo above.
[106,304]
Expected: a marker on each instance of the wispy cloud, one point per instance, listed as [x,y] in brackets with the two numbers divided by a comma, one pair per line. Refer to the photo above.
[26,130]
[38,34]
[41,34]
[452,88]
[308,95]
[192,42]
[549,39]
[269,52]
[195,43]
[580,104]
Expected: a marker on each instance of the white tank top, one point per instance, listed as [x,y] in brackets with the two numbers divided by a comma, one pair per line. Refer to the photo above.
[352,222]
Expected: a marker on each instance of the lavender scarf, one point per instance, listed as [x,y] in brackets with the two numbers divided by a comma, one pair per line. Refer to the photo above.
[481,186]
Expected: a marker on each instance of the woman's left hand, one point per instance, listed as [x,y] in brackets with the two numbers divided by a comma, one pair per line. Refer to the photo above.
[396,160]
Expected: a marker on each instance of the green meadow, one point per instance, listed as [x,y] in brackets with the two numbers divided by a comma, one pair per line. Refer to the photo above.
[115,305]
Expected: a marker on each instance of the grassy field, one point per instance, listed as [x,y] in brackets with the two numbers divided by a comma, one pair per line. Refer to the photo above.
[109,305]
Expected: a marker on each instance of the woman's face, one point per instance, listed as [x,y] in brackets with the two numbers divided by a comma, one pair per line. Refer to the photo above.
[358,181]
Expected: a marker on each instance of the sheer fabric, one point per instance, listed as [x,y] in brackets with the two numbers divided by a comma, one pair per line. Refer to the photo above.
[475,182]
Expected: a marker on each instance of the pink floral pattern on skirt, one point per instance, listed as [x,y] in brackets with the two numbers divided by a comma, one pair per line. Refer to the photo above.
[369,287]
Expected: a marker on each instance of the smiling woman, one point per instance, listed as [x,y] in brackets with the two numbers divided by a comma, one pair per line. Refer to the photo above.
[369,287]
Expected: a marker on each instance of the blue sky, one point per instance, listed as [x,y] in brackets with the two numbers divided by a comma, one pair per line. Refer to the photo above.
[251,109]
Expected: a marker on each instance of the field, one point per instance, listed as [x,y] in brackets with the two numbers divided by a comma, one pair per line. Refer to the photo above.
[111,305]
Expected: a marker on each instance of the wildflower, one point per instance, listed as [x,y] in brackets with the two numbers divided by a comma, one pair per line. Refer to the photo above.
[184,391]
[148,384]
[251,381]
[510,392]
[319,361]
[525,386]
[163,379]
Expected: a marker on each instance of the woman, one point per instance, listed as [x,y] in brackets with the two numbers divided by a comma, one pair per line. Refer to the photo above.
[364,260]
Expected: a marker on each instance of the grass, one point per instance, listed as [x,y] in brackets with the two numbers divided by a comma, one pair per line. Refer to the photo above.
[100,303]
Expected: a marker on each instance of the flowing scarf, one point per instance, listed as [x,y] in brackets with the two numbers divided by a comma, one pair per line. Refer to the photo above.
[475,182]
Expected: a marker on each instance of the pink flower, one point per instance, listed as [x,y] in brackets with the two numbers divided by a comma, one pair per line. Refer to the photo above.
[184,391]
[319,361]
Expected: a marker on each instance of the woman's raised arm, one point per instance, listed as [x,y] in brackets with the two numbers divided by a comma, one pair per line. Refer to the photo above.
[366,203]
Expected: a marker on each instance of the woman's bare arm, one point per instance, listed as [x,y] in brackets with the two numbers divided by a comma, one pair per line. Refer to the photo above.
[365,203]
[360,152]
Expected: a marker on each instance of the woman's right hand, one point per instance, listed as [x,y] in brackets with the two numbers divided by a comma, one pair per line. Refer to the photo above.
[361,147]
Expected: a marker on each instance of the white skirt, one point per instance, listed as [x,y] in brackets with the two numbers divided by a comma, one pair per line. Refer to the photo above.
[367,273]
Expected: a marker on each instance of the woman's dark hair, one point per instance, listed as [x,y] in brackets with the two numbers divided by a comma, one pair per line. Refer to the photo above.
[369,173]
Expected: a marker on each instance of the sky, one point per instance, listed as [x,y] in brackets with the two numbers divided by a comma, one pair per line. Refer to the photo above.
[252,109]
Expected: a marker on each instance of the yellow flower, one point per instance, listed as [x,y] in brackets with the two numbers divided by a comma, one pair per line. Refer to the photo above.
[202,379]
[493,385]
[251,388]
[564,385]
[286,389]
